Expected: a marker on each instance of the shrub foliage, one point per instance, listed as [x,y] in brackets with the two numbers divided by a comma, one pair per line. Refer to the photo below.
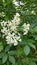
[25,53]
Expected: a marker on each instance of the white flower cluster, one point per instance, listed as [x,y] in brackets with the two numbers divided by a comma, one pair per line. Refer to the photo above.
[9,30]
[17,3]
[26,28]
[11,25]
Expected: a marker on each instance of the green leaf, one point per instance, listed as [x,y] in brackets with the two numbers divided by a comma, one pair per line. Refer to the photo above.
[1,46]
[12,52]
[4,59]
[35,36]
[33,59]
[33,30]
[32,63]
[12,59]
[1,55]
[7,48]
[26,50]
[32,45]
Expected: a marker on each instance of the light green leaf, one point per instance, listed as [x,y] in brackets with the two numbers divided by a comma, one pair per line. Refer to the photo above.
[12,59]
[26,50]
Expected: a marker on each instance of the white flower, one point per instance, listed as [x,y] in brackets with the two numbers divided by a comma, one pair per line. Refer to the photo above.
[9,23]
[3,23]
[26,28]
[15,2]
[9,40]
[17,14]
[15,42]
[25,32]
[21,3]
[13,28]
[4,30]
[12,39]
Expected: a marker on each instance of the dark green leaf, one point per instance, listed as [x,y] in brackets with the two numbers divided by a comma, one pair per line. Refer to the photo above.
[7,48]
[1,46]
[12,59]
[4,58]
[32,45]
[32,63]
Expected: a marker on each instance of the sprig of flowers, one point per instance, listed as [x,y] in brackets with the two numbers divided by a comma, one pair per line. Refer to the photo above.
[9,30]
[26,28]
[18,3]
